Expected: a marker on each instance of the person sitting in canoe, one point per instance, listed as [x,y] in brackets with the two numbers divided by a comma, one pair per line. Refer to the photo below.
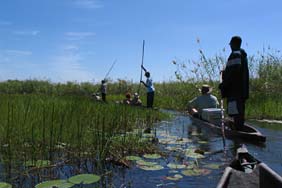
[136,101]
[206,100]
[127,99]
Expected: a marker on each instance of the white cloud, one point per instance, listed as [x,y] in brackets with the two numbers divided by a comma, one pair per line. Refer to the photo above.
[79,35]
[27,33]
[89,4]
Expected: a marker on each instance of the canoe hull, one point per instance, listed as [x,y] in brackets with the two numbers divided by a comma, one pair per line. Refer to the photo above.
[249,133]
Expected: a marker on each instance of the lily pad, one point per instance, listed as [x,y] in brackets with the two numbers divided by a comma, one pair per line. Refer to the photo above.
[213,166]
[145,163]
[174,148]
[5,185]
[191,166]
[152,156]
[176,177]
[196,172]
[55,183]
[84,179]
[182,141]
[195,133]
[202,142]
[165,141]
[191,172]
[190,152]
[176,166]
[133,158]
[151,168]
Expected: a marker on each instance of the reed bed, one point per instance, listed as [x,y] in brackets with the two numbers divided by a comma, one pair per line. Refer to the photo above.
[57,129]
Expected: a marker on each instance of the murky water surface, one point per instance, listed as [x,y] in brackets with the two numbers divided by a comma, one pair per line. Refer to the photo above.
[178,165]
[215,161]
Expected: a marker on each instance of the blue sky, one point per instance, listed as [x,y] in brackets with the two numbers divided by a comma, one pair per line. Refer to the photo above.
[78,40]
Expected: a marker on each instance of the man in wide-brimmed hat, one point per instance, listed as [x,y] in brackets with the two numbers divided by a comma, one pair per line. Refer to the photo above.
[206,100]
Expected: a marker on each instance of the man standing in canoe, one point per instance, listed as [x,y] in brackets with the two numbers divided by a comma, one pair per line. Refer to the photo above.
[150,88]
[206,100]
[235,82]
[103,90]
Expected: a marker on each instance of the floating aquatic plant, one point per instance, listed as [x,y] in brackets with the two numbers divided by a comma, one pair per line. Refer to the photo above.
[152,156]
[175,177]
[190,152]
[151,167]
[55,183]
[5,185]
[176,166]
[195,172]
[133,158]
[213,166]
[84,179]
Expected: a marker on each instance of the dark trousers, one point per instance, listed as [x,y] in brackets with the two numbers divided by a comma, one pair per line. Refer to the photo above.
[239,119]
[104,97]
[150,99]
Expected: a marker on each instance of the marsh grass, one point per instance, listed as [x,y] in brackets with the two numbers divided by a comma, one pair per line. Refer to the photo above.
[40,127]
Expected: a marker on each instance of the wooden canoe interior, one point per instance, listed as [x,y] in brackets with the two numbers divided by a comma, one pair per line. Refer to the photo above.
[262,176]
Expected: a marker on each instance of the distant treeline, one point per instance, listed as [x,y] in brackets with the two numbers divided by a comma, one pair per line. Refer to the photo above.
[265,85]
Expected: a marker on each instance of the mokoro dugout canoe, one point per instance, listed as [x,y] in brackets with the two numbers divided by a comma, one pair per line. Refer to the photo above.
[249,133]
[247,171]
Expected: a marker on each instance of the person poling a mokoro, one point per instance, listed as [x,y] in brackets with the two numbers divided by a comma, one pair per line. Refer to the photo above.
[150,88]
[247,171]
[235,82]
[103,90]
[103,87]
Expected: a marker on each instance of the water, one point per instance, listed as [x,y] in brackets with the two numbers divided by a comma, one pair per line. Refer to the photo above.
[181,127]
[175,137]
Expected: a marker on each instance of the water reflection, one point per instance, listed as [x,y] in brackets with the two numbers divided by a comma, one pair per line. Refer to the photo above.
[178,140]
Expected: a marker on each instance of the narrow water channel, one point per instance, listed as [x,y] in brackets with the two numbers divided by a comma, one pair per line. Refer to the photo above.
[178,135]
[178,166]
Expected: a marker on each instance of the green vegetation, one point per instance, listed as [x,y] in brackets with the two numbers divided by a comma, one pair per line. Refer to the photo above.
[37,131]
[42,123]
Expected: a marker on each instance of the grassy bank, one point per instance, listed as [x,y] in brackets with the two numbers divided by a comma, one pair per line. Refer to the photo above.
[56,128]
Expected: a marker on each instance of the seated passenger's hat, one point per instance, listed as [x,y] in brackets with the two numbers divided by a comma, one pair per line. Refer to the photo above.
[206,89]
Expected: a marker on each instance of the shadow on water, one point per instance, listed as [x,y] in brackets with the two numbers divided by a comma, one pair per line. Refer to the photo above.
[190,157]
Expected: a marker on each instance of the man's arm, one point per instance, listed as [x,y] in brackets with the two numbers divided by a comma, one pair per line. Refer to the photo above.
[143,83]
[143,68]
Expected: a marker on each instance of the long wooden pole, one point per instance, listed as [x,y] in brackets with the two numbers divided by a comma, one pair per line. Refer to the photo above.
[110,69]
[222,119]
[141,64]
